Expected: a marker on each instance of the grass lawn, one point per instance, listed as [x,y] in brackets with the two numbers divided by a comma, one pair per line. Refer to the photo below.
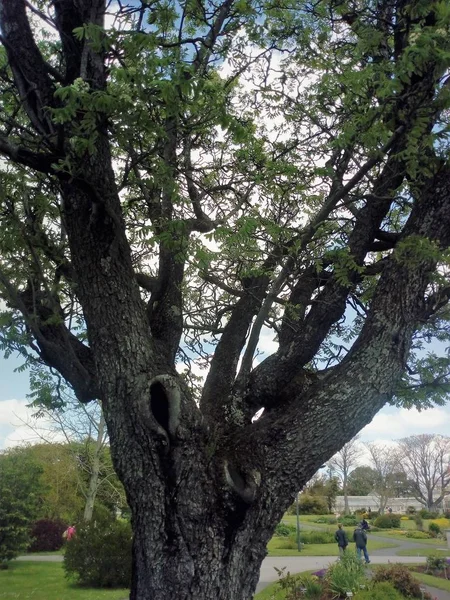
[437,582]
[46,581]
[397,535]
[274,549]
[306,519]
[423,552]
[53,552]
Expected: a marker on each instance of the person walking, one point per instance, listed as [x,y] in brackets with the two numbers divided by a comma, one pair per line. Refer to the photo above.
[360,539]
[342,541]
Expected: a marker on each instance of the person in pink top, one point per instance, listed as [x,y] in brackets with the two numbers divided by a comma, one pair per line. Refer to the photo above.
[70,532]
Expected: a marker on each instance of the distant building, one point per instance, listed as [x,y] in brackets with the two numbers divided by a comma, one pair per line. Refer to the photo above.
[398,505]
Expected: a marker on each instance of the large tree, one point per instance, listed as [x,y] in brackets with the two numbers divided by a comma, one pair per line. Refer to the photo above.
[344,462]
[179,176]
[385,463]
[425,462]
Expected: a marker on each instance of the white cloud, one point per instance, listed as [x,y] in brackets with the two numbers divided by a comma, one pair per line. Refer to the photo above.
[13,410]
[389,424]
[17,425]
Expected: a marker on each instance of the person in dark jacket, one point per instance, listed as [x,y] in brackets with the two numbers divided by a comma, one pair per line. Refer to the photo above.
[365,525]
[342,541]
[360,539]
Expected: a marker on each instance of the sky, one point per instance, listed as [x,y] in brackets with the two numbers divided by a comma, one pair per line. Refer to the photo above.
[388,425]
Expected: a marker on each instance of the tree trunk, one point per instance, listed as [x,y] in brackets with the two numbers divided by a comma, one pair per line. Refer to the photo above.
[344,487]
[95,471]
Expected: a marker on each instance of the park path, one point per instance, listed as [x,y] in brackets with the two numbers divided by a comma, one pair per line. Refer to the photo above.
[293,564]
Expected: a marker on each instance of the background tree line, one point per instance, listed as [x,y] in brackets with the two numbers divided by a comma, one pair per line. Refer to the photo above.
[417,466]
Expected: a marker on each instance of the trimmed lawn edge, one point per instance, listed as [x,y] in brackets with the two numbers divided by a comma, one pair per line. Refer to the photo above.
[436,582]
[423,552]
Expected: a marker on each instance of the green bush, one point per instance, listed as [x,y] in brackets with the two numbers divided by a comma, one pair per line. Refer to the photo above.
[434,529]
[99,555]
[384,590]
[419,522]
[330,520]
[426,514]
[349,520]
[437,563]
[283,530]
[387,521]
[288,543]
[312,505]
[317,537]
[418,535]
[400,577]
[345,575]
[295,587]
[313,589]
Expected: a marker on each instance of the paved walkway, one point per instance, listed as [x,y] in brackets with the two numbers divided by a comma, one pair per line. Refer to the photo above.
[293,564]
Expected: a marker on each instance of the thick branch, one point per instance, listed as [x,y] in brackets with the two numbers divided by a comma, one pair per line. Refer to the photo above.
[29,68]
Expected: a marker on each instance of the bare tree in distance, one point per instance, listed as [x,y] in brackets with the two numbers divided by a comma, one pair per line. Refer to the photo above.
[425,461]
[81,426]
[384,462]
[343,463]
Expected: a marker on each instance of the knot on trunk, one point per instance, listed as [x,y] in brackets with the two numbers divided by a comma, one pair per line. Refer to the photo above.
[245,485]
[165,402]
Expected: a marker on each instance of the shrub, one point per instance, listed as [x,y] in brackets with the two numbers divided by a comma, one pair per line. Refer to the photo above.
[47,535]
[384,590]
[350,520]
[437,563]
[411,510]
[311,587]
[325,519]
[312,505]
[400,577]
[345,575]
[442,522]
[426,514]
[100,554]
[283,530]
[287,543]
[317,537]
[418,535]
[419,522]
[387,521]
[434,529]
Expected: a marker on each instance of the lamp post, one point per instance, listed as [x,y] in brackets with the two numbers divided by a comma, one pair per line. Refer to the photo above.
[299,545]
